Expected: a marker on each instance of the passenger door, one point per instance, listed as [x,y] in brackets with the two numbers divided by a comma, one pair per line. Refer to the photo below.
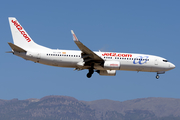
[156,61]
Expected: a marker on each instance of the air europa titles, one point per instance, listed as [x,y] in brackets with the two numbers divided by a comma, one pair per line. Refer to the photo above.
[117,55]
[18,26]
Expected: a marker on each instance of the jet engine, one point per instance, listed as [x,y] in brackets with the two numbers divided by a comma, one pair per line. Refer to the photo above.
[112,65]
[107,72]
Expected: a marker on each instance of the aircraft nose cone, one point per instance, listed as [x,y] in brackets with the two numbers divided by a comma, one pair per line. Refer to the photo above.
[172,66]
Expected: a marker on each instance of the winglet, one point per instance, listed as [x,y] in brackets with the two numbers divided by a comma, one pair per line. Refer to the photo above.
[74,36]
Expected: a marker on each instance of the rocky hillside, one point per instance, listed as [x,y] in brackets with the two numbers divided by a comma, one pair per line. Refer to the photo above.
[69,108]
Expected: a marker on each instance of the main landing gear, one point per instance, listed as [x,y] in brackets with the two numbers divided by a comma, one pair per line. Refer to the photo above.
[89,74]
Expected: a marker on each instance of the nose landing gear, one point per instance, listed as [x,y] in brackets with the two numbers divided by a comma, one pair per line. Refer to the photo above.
[159,72]
[157,76]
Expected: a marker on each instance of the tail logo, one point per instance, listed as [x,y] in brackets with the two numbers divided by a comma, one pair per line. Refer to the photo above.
[19,27]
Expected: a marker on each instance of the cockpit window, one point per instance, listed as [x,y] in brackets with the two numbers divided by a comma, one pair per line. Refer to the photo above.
[165,60]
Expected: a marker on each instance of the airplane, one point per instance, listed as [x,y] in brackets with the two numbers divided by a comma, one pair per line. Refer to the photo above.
[104,63]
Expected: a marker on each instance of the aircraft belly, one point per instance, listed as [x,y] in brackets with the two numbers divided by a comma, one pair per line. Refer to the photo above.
[58,63]
[159,68]
[135,67]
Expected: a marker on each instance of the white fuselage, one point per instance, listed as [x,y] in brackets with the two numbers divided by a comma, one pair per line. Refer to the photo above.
[71,58]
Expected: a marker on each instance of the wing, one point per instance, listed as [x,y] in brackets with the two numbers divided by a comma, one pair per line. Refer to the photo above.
[89,56]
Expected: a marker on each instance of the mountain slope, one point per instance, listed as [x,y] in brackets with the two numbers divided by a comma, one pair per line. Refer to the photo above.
[69,108]
[161,107]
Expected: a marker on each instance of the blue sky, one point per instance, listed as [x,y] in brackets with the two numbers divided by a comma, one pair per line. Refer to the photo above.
[149,27]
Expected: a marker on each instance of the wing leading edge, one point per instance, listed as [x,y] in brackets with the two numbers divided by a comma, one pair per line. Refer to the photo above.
[87,54]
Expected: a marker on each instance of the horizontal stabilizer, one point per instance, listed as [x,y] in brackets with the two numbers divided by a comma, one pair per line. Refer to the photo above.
[16,48]
[9,52]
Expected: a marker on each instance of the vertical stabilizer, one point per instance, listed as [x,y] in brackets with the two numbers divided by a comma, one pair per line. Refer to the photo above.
[21,37]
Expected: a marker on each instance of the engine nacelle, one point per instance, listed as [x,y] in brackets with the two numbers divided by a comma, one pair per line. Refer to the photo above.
[112,65]
[107,72]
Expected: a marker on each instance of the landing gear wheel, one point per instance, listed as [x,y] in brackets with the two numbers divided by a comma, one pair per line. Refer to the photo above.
[89,75]
[91,71]
[157,76]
